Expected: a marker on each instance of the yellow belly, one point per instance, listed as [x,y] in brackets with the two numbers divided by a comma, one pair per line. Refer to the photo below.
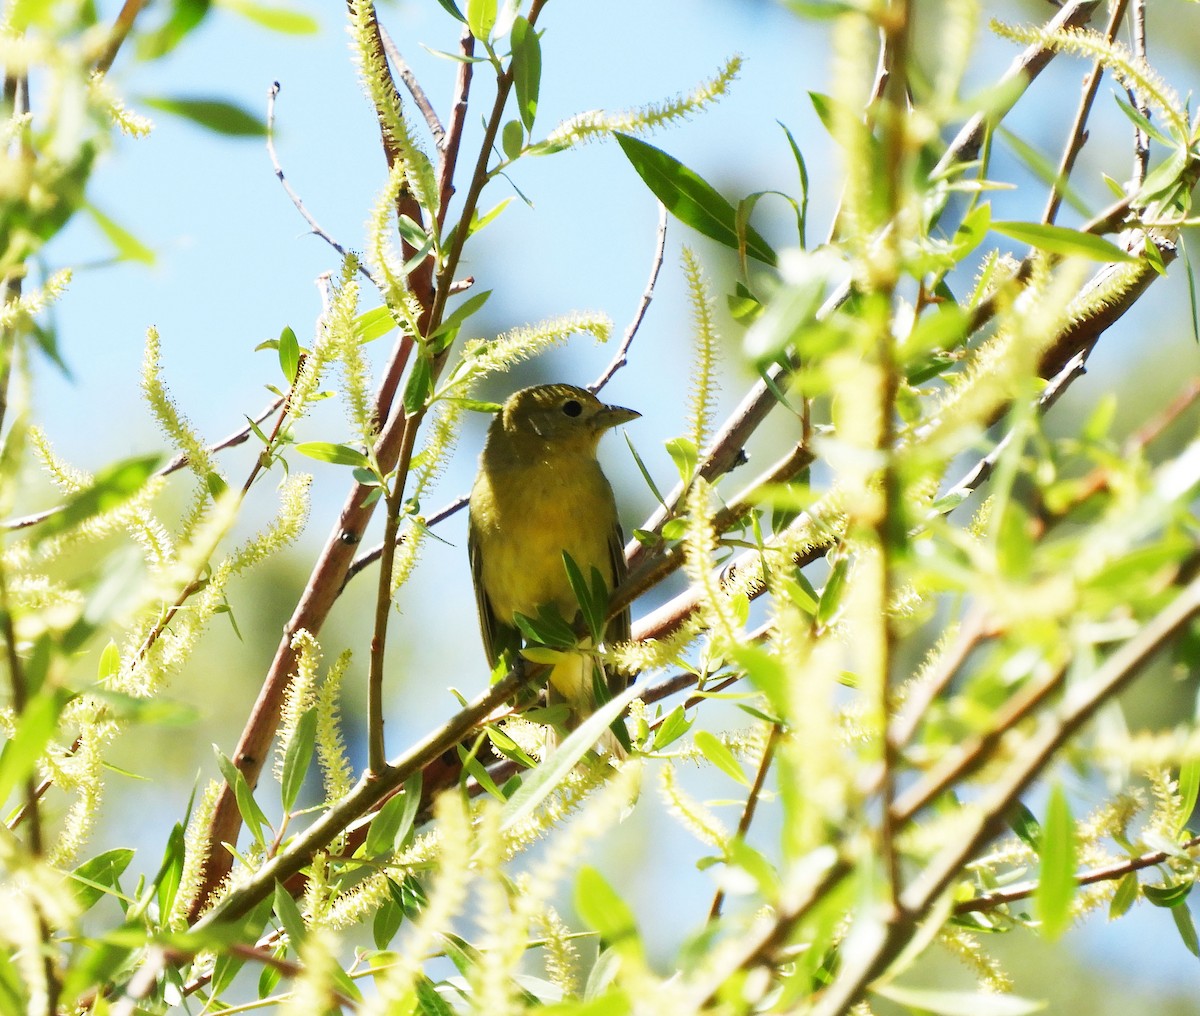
[526,520]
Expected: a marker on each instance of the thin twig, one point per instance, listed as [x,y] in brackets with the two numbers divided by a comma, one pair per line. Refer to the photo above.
[1013,83]
[979,473]
[760,777]
[1104,873]
[371,556]
[315,226]
[1141,140]
[376,752]
[619,360]
[1078,135]
[948,665]
[458,117]
[414,89]
[120,31]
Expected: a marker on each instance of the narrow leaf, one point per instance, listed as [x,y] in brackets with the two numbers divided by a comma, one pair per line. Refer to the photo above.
[277,19]
[339,454]
[603,909]
[481,18]
[112,487]
[372,324]
[289,916]
[297,758]
[289,354]
[128,246]
[526,69]
[540,783]
[216,115]
[691,198]
[99,875]
[35,726]
[958,1003]
[719,755]
[1056,873]
[1064,241]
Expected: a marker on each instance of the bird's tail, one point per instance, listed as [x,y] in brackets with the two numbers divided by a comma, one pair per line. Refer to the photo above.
[571,682]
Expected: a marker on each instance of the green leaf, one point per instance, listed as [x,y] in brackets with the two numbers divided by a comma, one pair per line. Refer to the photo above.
[507,747]
[277,19]
[481,18]
[127,246]
[593,602]
[1189,790]
[391,827]
[526,68]
[549,628]
[112,487]
[719,755]
[512,139]
[1125,896]
[429,1002]
[672,728]
[289,354]
[479,222]
[1170,895]
[451,8]
[289,916]
[830,603]
[1056,873]
[216,115]
[453,321]
[473,767]
[1141,122]
[110,662]
[603,910]
[170,869]
[372,324]
[802,169]
[1165,176]
[690,198]
[185,16]
[1024,823]
[420,382]
[541,654]
[958,1003]
[297,758]
[1045,170]
[1064,241]
[1186,928]
[99,875]
[540,783]
[643,470]
[386,923]
[36,724]
[685,455]
[339,454]
[823,10]
[251,813]
[766,672]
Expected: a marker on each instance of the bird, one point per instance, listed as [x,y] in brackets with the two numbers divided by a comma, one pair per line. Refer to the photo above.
[540,493]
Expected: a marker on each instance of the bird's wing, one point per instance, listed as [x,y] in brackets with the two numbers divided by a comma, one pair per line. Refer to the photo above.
[497,636]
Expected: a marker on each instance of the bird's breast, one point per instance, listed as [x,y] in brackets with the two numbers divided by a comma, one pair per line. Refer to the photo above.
[525,518]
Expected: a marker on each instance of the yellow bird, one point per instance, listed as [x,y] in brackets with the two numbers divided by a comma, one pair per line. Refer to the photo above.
[540,492]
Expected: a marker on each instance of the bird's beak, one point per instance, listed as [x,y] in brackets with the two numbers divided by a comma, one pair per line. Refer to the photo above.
[613,416]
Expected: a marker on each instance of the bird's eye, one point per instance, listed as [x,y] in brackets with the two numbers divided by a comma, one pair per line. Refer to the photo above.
[572,408]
